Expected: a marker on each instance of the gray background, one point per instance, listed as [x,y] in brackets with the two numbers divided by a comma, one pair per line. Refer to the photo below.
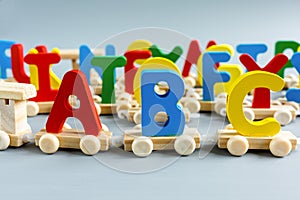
[26,173]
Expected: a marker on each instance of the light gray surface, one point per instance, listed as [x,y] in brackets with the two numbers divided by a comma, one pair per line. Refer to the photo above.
[29,174]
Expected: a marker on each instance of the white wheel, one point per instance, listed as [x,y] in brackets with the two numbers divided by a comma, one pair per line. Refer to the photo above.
[293,104]
[97,99]
[105,127]
[284,117]
[142,146]
[189,82]
[124,97]
[123,105]
[122,114]
[98,108]
[280,146]
[137,117]
[90,144]
[117,141]
[249,114]
[220,107]
[237,145]
[4,140]
[185,145]
[193,105]
[32,108]
[49,143]
[222,95]
[137,127]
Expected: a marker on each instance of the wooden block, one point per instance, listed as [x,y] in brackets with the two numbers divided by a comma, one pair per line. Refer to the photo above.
[45,107]
[108,109]
[159,143]
[261,113]
[73,55]
[254,142]
[207,105]
[97,89]
[17,140]
[70,138]
[16,91]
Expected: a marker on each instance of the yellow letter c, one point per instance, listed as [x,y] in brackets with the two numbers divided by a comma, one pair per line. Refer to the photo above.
[245,83]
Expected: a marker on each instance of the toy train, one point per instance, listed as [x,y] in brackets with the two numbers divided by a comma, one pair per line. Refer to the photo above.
[143,97]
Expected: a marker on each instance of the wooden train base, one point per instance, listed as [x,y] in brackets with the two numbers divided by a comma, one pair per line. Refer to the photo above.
[143,146]
[13,140]
[108,109]
[74,139]
[284,114]
[280,145]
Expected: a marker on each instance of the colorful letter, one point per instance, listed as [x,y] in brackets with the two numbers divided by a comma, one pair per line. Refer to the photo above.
[43,62]
[293,94]
[151,63]
[192,56]
[74,83]
[261,97]
[108,64]
[154,103]
[252,49]
[211,75]
[173,55]
[5,61]
[280,47]
[236,116]
[130,69]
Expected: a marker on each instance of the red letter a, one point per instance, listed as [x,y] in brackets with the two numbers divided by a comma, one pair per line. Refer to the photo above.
[74,83]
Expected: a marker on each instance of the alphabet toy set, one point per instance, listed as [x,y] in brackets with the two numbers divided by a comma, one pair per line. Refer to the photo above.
[153,93]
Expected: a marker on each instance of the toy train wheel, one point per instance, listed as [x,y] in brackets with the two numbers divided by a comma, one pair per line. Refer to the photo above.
[220,107]
[137,117]
[293,104]
[192,105]
[90,145]
[237,145]
[32,108]
[142,146]
[249,114]
[185,145]
[280,147]
[4,140]
[284,117]
[49,143]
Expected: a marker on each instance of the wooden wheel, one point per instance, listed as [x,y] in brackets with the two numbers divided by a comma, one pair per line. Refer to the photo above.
[4,140]
[90,145]
[142,146]
[32,108]
[284,117]
[185,145]
[280,146]
[49,143]
[237,145]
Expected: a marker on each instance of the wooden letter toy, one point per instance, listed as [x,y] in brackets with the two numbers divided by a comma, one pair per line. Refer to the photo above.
[13,115]
[192,56]
[293,94]
[139,45]
[130,69]
[154,103]
[5,61]
[214,48]
[211,75]
[108,65]
[92,139]
[151,64]
[246,134]
[280,47]
[261,96]
[252,49]
[174,55]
